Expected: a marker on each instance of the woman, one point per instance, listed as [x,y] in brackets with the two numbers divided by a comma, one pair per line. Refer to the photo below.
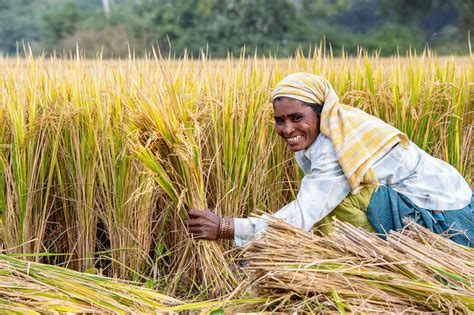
[357,168]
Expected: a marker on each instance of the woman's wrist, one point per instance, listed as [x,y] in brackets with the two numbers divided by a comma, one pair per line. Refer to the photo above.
[226,228]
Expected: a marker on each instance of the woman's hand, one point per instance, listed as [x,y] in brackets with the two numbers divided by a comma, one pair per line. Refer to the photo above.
[203,224]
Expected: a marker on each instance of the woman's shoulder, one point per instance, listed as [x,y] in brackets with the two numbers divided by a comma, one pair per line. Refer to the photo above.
[321,153]
[322,145]
[318,156]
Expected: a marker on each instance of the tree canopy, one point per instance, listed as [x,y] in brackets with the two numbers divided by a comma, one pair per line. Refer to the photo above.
[219,27]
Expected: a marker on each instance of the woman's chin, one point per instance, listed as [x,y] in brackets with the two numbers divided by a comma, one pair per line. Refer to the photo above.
[296,147]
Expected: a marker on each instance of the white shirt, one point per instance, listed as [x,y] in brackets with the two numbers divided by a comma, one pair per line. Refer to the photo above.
[428,182]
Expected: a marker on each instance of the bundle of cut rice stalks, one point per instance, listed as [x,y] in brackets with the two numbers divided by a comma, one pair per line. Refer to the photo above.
[353,270]
[34,288]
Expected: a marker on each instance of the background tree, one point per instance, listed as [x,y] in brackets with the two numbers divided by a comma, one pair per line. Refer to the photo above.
[18,23]
[277,27]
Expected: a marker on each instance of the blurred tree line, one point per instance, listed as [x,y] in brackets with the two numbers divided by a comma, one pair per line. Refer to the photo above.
[272,26]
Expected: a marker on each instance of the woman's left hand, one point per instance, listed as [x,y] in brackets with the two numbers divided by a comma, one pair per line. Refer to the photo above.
[203,224]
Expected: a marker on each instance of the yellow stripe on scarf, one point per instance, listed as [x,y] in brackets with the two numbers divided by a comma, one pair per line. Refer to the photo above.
[359,139]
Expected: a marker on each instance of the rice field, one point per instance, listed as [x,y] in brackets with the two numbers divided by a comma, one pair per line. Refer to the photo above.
[100,158]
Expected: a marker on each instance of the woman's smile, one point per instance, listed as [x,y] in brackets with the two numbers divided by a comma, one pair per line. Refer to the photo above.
[293,140]
[296,122]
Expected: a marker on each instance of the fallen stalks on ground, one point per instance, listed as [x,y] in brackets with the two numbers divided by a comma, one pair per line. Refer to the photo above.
[34,288]
[353,270]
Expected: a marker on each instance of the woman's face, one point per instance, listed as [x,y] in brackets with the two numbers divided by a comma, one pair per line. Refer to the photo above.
[295,122]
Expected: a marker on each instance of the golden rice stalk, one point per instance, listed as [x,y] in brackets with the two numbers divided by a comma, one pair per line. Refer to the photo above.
[356,271]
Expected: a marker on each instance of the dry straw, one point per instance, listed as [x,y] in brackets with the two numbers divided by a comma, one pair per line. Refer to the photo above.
[352,270]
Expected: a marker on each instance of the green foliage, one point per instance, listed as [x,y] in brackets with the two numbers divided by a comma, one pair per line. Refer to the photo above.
[401,37]
[243,23]
[59,23]
[217,311]
[220,27]
[466,16]
[407,11]
[17,23]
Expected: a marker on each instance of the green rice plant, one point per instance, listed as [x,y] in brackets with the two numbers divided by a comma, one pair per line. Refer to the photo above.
[126,194]
[3,148]
[77,172]
[28,158]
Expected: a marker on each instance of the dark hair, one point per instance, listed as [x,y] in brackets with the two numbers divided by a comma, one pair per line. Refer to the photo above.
[317,108]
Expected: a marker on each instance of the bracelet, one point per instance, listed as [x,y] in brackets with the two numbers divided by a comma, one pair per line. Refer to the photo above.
[225,228]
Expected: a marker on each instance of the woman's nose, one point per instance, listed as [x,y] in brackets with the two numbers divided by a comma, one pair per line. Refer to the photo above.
[288,129]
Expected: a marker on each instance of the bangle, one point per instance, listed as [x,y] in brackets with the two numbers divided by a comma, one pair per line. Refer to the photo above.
[225,228]
[222,224]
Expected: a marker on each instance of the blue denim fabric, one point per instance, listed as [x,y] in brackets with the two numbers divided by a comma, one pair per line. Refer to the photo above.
[387,208]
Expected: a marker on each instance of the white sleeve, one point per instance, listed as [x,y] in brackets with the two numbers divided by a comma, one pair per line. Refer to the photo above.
[321,191]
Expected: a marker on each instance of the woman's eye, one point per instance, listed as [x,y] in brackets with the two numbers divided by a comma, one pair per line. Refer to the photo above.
[297,118]
[278,120]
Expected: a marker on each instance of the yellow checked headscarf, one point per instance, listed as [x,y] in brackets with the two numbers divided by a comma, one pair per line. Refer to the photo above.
[359,139]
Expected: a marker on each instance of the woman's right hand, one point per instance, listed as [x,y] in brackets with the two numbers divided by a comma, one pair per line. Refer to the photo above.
[203,224]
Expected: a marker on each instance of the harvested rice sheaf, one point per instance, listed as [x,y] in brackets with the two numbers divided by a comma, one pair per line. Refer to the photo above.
[34,288]
[353,270]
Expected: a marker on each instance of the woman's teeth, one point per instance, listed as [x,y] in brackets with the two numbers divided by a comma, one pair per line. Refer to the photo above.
[294,139]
